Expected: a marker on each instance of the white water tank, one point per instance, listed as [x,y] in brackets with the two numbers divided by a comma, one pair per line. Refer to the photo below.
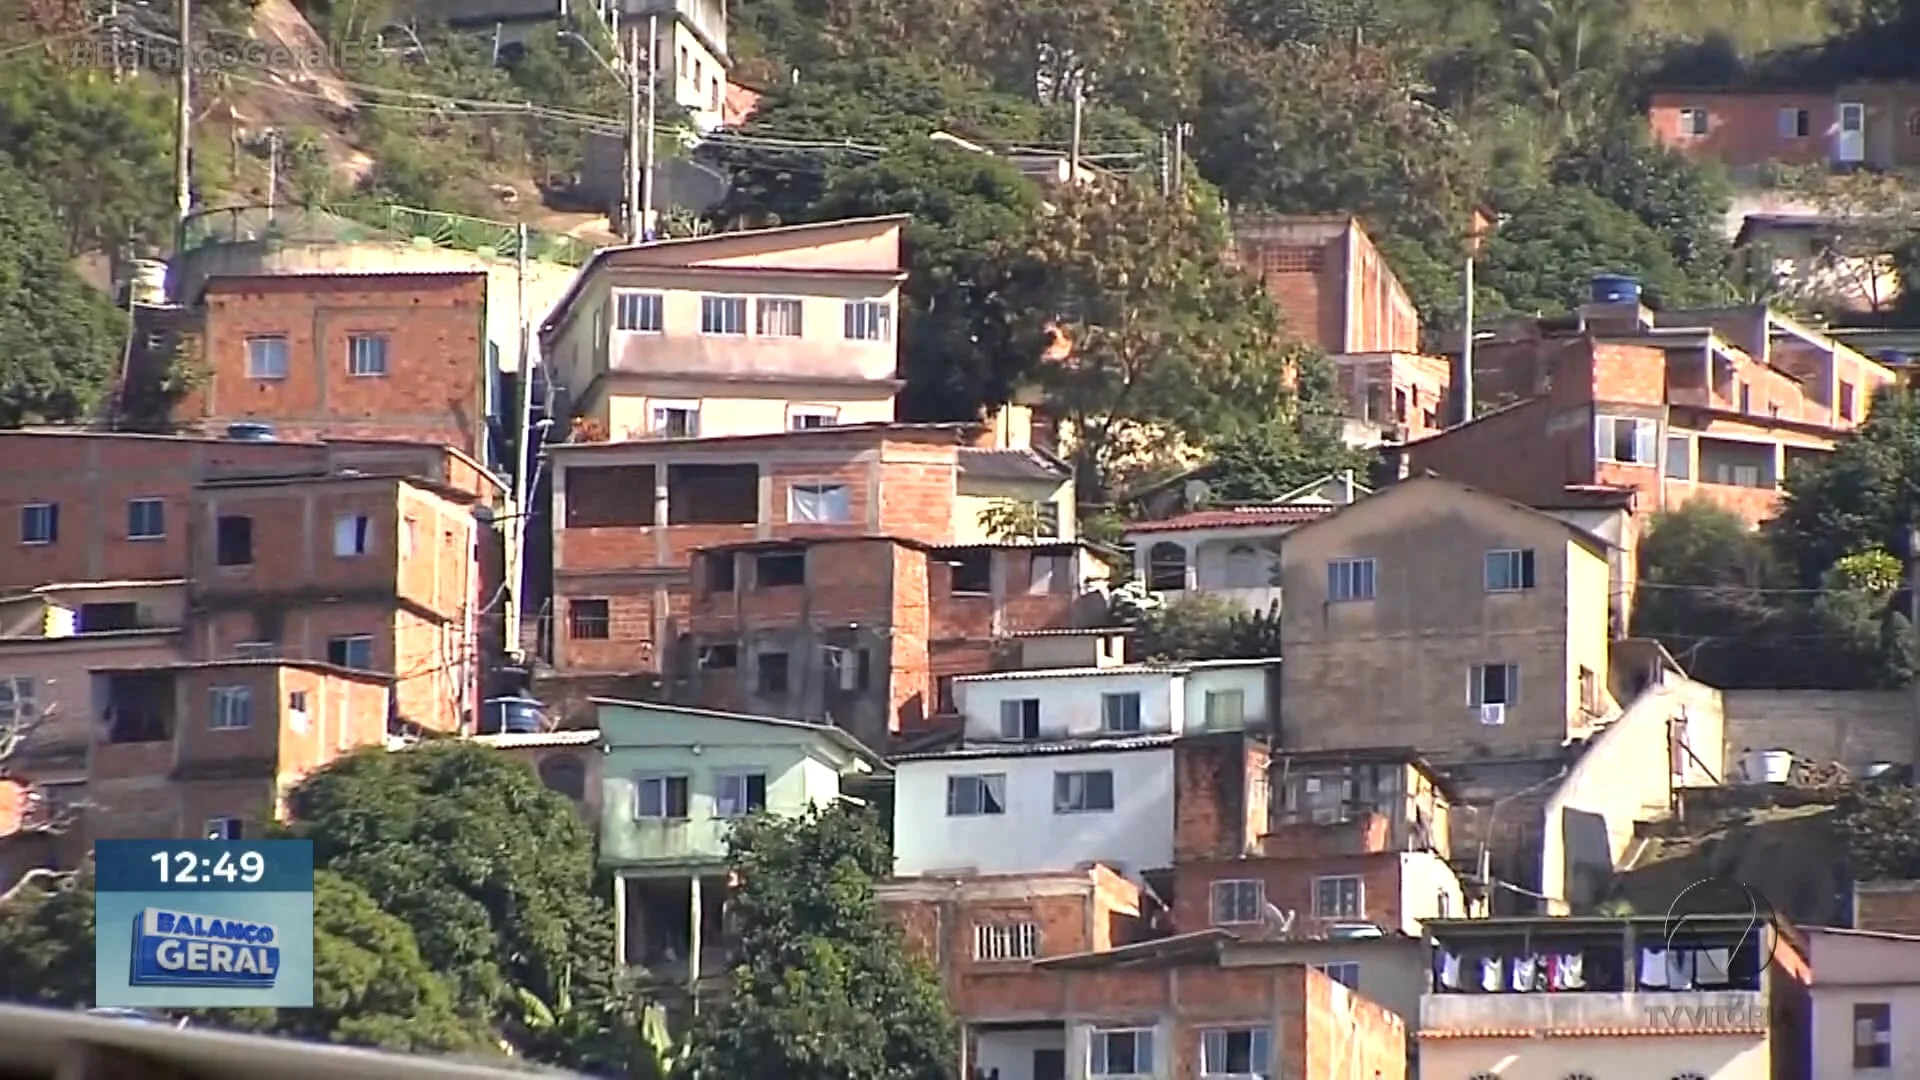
[1769,766]
[147,281]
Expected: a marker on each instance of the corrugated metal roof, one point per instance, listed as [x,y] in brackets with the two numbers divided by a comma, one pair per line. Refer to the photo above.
[1003,464]
[1248,517]
[1042,749]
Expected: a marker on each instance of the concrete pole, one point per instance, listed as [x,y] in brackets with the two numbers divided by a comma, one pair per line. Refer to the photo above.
[183,122]
[632,196]
[516,536]
[646,178]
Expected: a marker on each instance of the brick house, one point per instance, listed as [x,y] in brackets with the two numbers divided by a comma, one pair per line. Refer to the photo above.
[1849,124]
[1692,404]
[210,749]
[380,356]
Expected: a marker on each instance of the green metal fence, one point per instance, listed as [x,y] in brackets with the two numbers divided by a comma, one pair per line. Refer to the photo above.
[350,223]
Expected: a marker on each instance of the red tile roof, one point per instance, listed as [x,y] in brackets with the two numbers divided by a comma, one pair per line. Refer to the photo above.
[1249,516]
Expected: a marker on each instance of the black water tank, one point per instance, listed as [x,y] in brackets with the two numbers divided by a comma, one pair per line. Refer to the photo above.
[1614,289]
[250,431]
[513,715]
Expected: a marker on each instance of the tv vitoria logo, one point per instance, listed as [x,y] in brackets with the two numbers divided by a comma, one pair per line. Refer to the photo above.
[184,949]
[1721,905]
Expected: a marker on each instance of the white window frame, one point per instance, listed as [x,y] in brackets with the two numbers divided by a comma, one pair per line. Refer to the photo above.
[1477,685]
[47,514]
[1099,1053]
[830,414]
[1214,1049]
[1507,570]
[232,708]
[1322,910]
[1013,718]
[1121,713]
[1214,709]
[1679,462]
[1788,124]
[267,357]
[767,305]
[1236,891]
[299,710]
[1352,581]
[1645,438]
[716,311]
[156,510]
[254,650]
[651,796]
[730,804]
[353,640]
[833,503]
[1073,792]
[368,355]
[21,704]
[658,422]
[867,320]
[1695,121]
[1000,943]
[224,828]
[352,536]
[632,306]
[991,786]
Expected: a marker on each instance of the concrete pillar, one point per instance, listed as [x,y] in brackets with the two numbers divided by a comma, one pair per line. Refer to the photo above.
[620,923]
[693,938]
[1192,548]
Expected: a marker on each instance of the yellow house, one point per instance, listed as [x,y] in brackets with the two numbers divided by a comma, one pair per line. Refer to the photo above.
[1440,617]
[740,333]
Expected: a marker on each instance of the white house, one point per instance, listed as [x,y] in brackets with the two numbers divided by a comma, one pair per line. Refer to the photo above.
[1118,700]
[1027,809]
[1235,550]
[1866,1002]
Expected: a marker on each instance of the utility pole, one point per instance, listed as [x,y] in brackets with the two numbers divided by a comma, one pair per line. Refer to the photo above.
[1179,157]
[653,74]
[1166,166]
[183,134]
[113,36]
[523,424]
[632,196]
[1079,107]
[1466,342]
[273,170]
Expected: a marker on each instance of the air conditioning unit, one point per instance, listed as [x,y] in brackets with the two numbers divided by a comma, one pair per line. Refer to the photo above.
[1493,715]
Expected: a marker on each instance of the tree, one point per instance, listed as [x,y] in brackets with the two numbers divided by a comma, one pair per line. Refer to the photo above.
[1200,626]
[495,876]
[63,339]
[1156,337]
[1863,496]
[1878,825]
[1265,461]
[1683,202]
[1554,238]
[1873,246]
[825,988]
[46,941]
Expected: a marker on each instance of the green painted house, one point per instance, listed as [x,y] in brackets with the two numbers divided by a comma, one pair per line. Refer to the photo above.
[673,781]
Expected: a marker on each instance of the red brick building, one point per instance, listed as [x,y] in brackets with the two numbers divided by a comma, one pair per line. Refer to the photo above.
[393,356]
[1842,125]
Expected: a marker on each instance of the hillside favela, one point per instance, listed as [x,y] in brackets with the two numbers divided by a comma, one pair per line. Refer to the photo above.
[959,540]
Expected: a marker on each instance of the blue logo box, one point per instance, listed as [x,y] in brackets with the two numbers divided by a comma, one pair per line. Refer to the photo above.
[180,948]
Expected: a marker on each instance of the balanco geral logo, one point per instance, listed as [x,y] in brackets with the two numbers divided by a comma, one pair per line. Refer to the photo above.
[183,949]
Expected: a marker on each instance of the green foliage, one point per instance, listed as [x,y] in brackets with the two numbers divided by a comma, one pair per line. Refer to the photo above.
[1010,519]
[825,988]
[1556,238]
[495,875]
[1863,496]
[1263,462]
[1881,826]
[64,339]
[1202,626]
[46,941]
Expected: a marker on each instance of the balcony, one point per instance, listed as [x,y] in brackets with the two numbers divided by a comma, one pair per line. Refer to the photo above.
[1547,1014]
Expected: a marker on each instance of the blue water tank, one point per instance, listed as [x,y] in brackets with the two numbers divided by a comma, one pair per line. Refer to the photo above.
[1615,289]
[512,715]
[1893,358]
[250,431]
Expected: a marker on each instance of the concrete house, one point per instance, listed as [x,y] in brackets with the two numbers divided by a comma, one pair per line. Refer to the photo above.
[673,782]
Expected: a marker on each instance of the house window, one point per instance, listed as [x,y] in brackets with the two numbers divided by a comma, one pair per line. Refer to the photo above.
[267,357]
[676,419]
[352,651]
[18,702]
[1119,712]
[723,314]
[1509,570]
[641,312]
[589,619]
[660,797]
[819,504]
[1350,579]
[849,670]
[1746,398]
[809,417]
[1048,574]
[1226,710]
[146,519]
[253,650]
[1679,457]
[1872,1036]
[233,540]
[720,572]
[1087,792]
[973,573]
[1166,567]
[1120,1052]
[739,794]
[1589,692]
[351,535]
[1020,719]
[1693,122]
[777,569]
[1794,123]
[224,828]
[1344,972]
[39,523]
[973,796]
[1493,684]
[297,715]
[1236,903]
[770,673]
[367,355]
[723,657]
[1846,401]
[1342,897]
[943,695]
[869,320]
[776,318]
[1236,1052]
[1624,440]
[996,942]
[232,708]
